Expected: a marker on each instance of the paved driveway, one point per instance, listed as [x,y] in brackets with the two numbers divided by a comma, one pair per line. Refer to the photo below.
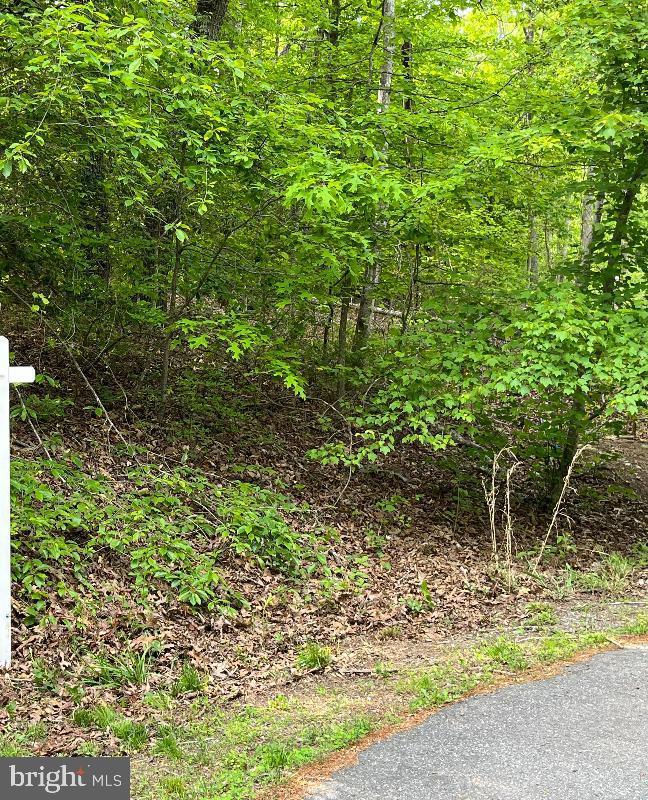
[582,735]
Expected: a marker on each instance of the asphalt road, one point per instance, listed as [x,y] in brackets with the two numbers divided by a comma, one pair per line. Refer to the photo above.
[582,735]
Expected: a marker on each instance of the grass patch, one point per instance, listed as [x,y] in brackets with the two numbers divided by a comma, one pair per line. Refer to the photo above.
[540,616]
[189,680]
[21,743]
[123,670]
[313,656]
[132,735]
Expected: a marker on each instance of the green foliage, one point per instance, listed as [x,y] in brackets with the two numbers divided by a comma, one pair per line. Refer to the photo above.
[313,656]
[167,206]
[505,652]
[132,735]
[171,527]
[540,615]
[122,670]
[167,745]
[535,364]
[189,680]
[440,684]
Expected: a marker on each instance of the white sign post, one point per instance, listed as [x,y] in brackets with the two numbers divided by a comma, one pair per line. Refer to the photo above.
[8,375]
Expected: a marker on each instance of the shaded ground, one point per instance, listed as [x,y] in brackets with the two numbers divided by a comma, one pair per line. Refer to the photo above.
[583,733]
[409,568]
[411,563]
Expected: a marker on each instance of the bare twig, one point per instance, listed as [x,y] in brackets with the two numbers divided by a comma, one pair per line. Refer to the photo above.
[558,505]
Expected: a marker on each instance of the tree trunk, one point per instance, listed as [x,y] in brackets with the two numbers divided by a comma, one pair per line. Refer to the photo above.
[623,212]
[532,253]
[591,214]
[590,217]
[372,275]
[532,257]
[345,293]
[210,15]
[569,449]
[173,297]
[96,214]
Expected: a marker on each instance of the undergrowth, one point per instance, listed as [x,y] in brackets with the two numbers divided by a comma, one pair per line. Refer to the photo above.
[174,530]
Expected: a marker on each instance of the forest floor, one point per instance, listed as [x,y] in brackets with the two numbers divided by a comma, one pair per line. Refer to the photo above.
[411,611]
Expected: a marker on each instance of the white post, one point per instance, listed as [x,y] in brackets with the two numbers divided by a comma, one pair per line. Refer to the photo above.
[7,375]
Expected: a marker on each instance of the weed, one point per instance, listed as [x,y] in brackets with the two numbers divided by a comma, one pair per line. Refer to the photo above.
[162,701]
[45,678]
[76,693]
[133,735]
[638,627]
[390,632]
[88,749]
[640,555]
[383,670]
[506,653]
[100,717]
[556,647]
[277,756]
[20,743]
[439,685]
[279,703]
[561,645]
[11,748]
[540,616]
[189,680]
[346,733]
[127,669]
[313,656]
[174,786]
[167,745]
[611,575]
[414,605]
[375,541]
[430,602]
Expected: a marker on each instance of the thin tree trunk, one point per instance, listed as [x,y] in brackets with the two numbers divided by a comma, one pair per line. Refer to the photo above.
[532,257]
[345,293]
[372,276]
[173,297]
[533,264]
[412,288]
[591,215]
[547,246]
[328,324]
[97,214]
[624,210]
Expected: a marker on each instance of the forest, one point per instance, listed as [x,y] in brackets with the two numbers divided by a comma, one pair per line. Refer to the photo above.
[339,316]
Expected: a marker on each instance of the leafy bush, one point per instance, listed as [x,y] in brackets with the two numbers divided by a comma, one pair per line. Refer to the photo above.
[540,371]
